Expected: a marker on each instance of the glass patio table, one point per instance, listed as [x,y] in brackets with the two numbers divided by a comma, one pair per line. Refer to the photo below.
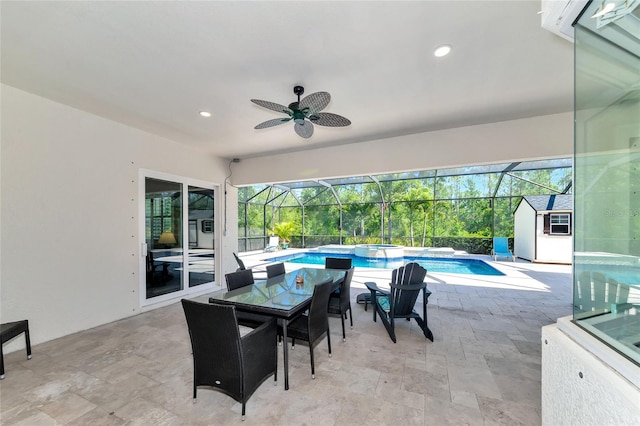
[281,297]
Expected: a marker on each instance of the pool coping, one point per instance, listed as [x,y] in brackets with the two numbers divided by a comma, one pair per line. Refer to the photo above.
[408,251]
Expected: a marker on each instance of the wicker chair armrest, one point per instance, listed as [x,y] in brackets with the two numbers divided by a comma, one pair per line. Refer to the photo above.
[259,355]
[261,335]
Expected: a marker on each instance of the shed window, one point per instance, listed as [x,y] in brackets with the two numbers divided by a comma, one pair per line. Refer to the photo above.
[559,223]
[207,226]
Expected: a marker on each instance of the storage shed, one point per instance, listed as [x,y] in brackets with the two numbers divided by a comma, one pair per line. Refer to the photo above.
[543,228]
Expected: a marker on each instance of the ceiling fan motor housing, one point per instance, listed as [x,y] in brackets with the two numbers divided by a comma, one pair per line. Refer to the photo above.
[298,116]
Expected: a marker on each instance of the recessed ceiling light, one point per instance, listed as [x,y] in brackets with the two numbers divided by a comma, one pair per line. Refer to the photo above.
[205,114]
[442,50]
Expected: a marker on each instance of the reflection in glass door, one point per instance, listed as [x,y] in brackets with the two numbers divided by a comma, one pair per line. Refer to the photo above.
[201,257]
[163,237]
[179,243]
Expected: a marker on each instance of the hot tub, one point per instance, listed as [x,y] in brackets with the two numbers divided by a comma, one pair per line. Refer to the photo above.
[379,251]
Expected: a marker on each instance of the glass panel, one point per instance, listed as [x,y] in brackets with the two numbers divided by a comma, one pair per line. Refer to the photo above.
[472,170]
[411,223]
[289,200]
[363,193]
[201,236]
[163,234]
[322,225]
[607,181]
[361,223]
[464,218]
[407,175]
[545,164]
[503,209]
[315,196]
[287,225]
[470,186]
[535,182]
[242,226]
[408,190]
[255,226]
[266,205]
[445,221]
[353,180]
[255,194]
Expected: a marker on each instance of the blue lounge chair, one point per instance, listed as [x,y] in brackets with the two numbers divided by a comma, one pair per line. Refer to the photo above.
[501,248]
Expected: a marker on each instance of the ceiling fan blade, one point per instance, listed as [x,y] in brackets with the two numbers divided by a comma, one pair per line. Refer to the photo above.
[272,106]
[330,120]
[304,130]
[271,123]
[316,102]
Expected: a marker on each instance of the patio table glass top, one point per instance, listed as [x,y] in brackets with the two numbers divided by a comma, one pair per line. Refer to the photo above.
[281,293]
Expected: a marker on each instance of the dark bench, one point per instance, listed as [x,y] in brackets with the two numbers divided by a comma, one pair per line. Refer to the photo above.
[10,330]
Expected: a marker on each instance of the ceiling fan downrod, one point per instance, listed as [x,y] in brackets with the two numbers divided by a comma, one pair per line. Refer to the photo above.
[297,90]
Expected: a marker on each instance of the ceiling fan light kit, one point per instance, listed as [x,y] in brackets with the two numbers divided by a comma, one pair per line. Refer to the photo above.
[304,113]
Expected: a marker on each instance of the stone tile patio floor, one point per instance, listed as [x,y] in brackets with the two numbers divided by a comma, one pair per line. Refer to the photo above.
[482,369]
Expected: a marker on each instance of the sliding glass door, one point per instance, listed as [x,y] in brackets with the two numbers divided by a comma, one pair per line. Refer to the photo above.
[201,236]
[178,251]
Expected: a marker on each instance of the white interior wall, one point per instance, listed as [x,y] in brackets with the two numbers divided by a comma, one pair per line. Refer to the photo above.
[69,213]
[549,136]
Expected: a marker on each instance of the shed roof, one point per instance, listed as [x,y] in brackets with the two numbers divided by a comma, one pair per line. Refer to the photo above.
[550,202]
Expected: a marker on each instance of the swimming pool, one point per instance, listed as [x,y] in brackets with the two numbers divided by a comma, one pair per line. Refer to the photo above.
[432,264]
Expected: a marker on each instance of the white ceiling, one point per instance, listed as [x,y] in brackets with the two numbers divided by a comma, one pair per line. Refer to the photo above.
[155,65]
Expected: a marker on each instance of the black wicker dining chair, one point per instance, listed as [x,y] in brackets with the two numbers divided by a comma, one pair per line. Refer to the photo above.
[275,270]
[337,262]
[407,282]
[239,279]
[313,326]
[223,359]
[260,275]
[340,303]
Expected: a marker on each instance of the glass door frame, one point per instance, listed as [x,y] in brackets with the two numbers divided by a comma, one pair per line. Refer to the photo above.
[185,182]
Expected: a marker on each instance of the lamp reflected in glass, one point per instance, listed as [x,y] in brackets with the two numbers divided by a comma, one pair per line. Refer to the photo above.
[167,239]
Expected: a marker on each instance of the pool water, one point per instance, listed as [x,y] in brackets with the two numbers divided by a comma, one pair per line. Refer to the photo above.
[432,264]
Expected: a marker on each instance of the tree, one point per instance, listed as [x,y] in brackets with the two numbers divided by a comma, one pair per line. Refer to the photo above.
[414,208]
[284,230]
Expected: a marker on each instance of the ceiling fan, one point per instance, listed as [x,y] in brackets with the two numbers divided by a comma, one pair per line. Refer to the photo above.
[305,113]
